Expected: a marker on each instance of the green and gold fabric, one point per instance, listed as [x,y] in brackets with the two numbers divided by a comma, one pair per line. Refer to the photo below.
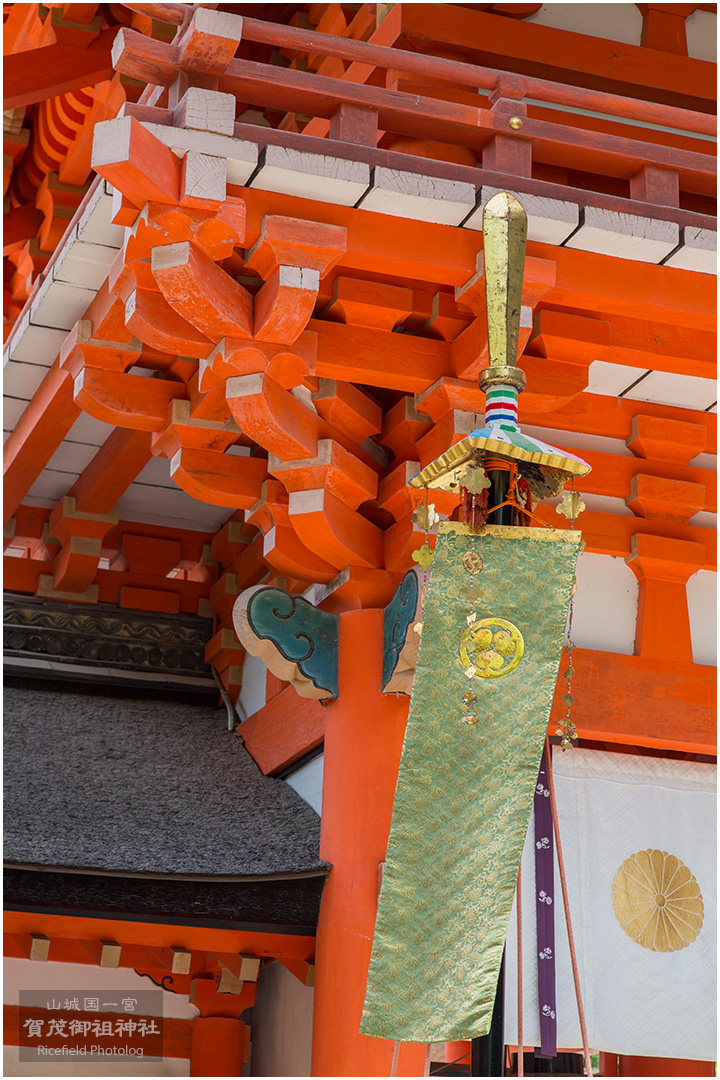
[492,635]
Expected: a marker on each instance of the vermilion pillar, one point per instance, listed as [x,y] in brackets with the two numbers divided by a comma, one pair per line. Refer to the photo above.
[363,741]
[647,1066]
[218,1046]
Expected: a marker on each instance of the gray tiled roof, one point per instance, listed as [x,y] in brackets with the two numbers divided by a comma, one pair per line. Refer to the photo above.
[140,786]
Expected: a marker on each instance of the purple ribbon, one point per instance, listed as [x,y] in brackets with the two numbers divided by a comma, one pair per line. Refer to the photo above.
[544,905]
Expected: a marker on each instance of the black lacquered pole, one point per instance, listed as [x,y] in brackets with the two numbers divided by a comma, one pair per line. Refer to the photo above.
[487,1053]
[497,493]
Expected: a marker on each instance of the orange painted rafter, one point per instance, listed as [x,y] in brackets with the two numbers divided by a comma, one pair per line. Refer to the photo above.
[57,69]
[219,479]
[315,95]
[366,56]
[23,576]
[594,151]
[20,225]
[32,532]
[555,186]
[446,256]
[61,928]
[606,66]
[123,455]
[611,534]
[612,475]
[37,435]
[666,706]
[343,347]
[646,702]
[613,125]
[284,552]
[612,417]
[283,730]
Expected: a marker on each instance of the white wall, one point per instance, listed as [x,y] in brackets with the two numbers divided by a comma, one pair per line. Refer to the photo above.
[308,782]
[605,608]
[281,1025]
[701,34]
[618,22]
[254,685]
[702,610]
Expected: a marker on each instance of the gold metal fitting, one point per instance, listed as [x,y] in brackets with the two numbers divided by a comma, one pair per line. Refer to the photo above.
[515,123]
[498,374]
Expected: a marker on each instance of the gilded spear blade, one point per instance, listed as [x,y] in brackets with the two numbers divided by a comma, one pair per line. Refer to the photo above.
[505,234]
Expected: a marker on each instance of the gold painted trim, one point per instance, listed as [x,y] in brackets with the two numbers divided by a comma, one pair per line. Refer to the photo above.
[513,532]
[502,375]
[462,451]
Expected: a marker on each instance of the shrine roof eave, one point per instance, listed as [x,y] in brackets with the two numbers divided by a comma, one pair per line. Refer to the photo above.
[134,787]
[282,905]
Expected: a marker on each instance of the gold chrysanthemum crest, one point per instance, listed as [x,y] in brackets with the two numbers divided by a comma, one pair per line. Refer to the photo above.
[657,901]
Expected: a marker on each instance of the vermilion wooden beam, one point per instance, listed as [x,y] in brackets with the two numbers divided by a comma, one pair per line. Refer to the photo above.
[621,699]
[22,575]
[219,479]
[20,224]
[285,729]
[424,252]
[612,475]
[123,455]
[126,400]
[641,702]
[608,66]
[134,161]
[432,118]
[202,292]
[612,534]
[338,534]
[613,417]
[23,29]
[458,73]
[56,69]
[37,435]
[378,357]
[159,935]
[463,125]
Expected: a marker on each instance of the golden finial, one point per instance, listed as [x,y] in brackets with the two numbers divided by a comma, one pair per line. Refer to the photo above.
[504,236]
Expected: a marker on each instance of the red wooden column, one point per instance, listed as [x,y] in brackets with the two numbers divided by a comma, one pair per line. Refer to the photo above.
[663,567]
[625,1065]
[218,1046]
[220,1041]
[363,740]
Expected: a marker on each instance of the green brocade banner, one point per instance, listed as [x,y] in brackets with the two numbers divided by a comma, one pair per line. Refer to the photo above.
[464,793]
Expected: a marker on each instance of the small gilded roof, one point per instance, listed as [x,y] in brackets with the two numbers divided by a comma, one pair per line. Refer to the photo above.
[119,785]
[502,442]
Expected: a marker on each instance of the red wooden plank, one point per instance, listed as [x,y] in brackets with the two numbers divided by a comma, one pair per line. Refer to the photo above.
[21,224]
[546,52]
[641,701]
[33,76]
[283,730]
